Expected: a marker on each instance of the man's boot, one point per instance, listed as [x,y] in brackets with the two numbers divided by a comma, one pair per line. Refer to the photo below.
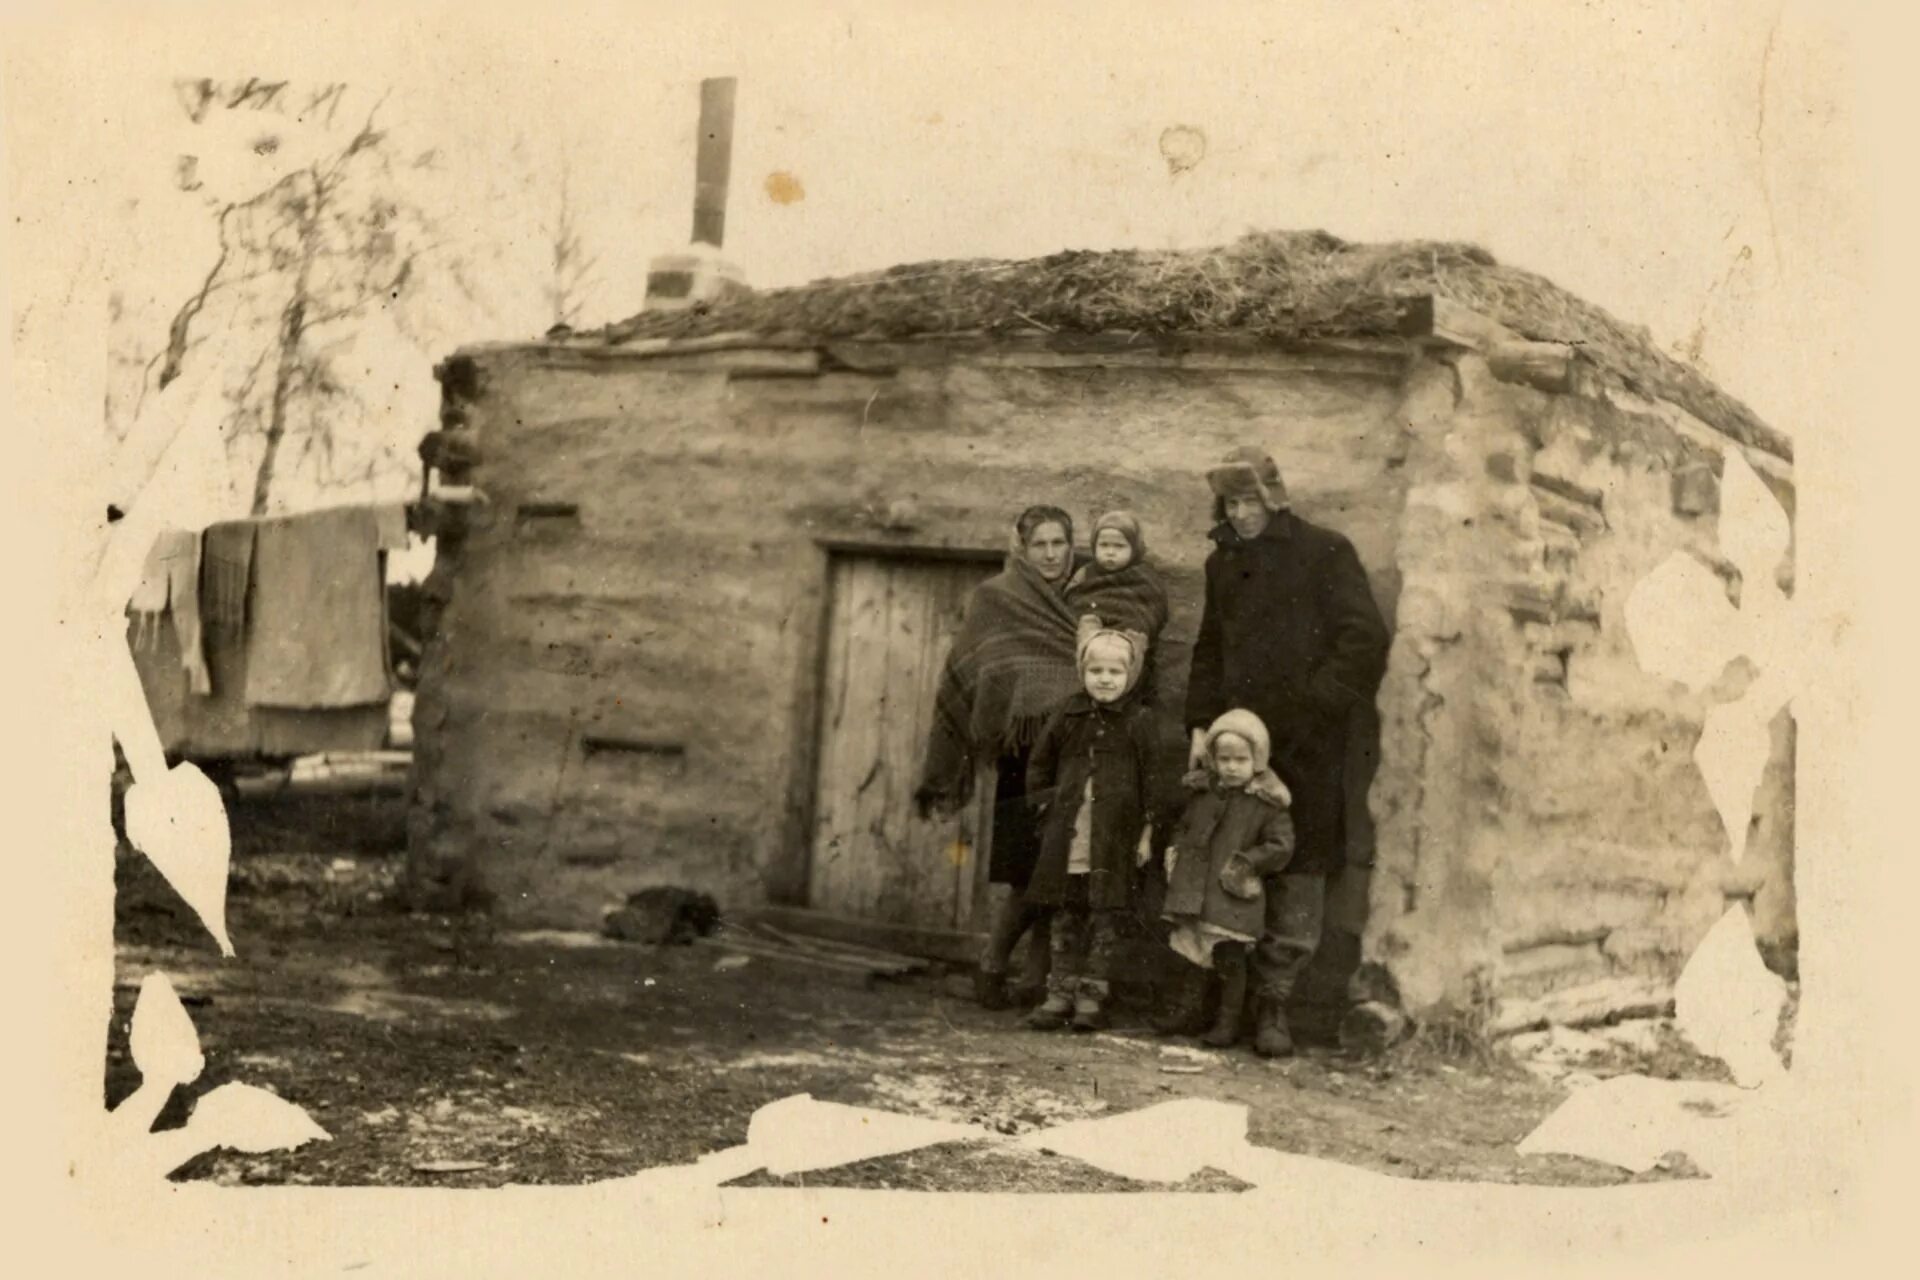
[1230,962]
[1184,1010]
[1031,989]
[1008,917]
[1271,1039]
[990,989]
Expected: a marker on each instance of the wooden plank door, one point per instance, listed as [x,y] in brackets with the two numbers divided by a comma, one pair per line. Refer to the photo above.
[891,622]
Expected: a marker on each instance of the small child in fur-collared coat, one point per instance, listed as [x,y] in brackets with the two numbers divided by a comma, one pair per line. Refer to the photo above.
[1235,831]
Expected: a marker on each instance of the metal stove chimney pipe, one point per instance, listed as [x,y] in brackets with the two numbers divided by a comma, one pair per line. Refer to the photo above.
[676,281]
[713,163]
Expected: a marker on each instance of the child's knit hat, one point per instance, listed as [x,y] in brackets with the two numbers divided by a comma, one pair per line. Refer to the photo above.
[1128,526]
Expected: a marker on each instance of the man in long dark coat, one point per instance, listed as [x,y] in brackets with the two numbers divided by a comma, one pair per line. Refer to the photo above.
[1289,631]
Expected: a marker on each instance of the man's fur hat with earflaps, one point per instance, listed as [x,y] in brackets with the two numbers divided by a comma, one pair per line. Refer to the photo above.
[1246,470]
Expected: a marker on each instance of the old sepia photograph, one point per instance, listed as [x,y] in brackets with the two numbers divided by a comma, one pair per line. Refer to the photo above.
[1081,601]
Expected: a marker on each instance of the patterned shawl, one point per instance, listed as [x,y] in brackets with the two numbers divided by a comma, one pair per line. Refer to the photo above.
[1011,665]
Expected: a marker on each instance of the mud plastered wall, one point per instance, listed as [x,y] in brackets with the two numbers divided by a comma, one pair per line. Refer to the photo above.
[650,567]
[1547,846]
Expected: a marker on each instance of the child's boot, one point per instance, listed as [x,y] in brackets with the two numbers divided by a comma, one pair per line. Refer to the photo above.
[1184,1012]
[1090,1007]
[1054,1011]
[1230,962]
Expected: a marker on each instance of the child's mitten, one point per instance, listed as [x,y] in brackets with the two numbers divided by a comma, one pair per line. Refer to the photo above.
[1238,878]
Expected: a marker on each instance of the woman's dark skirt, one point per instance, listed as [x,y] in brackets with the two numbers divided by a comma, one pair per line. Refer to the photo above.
[1016,829]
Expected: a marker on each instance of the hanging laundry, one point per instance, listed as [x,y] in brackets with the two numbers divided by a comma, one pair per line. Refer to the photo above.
[390,518]
[225,726]
[226,556]
[317,630]
[170,583]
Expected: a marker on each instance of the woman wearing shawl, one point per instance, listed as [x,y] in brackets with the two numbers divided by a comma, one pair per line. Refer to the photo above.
[1012,665]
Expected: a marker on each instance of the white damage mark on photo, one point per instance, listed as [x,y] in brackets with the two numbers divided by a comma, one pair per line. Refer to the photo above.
[1684,628]
[1726,1001]
[800,1134]
[1634,1121]
[174,815]
[166,1050]
[177,819]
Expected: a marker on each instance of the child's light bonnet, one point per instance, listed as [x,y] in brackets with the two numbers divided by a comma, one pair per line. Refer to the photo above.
[1131,643]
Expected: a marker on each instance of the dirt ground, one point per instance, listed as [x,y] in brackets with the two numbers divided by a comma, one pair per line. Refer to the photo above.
[438,1051]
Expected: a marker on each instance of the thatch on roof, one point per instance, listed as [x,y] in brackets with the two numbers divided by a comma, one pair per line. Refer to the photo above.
[1284,285]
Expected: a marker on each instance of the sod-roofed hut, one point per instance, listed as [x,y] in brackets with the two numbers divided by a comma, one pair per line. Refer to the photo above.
[692,635]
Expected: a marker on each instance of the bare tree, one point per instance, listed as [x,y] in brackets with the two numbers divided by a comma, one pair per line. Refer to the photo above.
[300,266]
[572,266]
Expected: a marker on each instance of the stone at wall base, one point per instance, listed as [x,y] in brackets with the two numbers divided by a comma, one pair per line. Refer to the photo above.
[1370,1029]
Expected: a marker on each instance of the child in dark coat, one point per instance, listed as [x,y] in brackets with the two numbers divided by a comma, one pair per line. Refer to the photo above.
[1235,831]
[1089,775]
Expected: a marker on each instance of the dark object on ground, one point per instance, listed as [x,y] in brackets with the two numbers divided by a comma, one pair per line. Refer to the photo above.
[663,915]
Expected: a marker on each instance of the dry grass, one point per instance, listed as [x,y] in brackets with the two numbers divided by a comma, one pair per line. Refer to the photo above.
[1457,1034]
[1280,285]
[1456,1039]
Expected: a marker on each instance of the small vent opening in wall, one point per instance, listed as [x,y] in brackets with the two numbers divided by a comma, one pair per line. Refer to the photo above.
[535,517]
[601,745]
